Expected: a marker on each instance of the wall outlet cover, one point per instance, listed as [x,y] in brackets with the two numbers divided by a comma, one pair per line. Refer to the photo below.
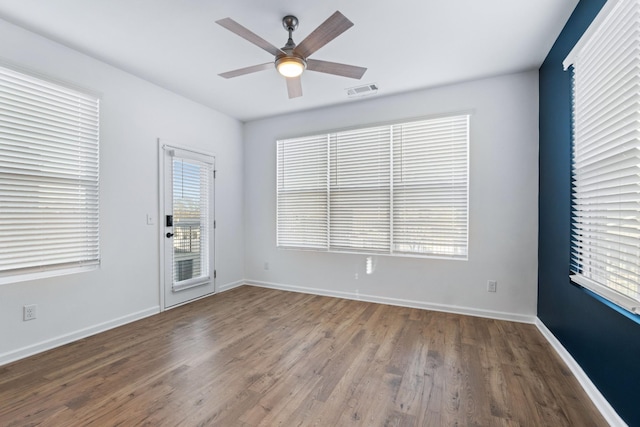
[492,286]
[29,312]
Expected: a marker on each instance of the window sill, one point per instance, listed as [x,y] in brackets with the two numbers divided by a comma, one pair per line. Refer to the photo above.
[44,274]
[592,289]
[373,253]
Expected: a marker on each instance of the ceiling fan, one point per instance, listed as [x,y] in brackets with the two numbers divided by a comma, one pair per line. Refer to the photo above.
[291,60]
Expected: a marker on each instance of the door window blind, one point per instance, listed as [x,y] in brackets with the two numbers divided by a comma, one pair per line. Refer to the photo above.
[396,189]
[48,176]
[606,157]
[191,220]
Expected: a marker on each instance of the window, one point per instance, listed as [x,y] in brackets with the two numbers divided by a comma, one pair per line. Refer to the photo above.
[606,155]
[191,194]
[48,178]
[396,189]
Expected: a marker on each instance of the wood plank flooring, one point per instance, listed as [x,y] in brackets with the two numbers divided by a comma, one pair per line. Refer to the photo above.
[260,357]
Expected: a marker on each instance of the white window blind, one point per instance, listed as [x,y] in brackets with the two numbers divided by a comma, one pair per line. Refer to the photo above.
[302,192]
[360,190]
[430,186]
[396,189]
[606,157]
[191,221]
[48,176]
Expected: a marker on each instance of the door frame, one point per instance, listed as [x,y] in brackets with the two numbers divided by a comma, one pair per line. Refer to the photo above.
[162,144]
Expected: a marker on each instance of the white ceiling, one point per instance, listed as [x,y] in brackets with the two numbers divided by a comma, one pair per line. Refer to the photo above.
[405,44]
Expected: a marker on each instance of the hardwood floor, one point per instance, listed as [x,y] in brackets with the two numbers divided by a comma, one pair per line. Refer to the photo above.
[260,357]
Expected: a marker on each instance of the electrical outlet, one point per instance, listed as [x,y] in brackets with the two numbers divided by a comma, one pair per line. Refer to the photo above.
[492,286]
[266,265]
[29,312]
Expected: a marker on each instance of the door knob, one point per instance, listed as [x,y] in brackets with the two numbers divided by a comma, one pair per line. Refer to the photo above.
[169,235]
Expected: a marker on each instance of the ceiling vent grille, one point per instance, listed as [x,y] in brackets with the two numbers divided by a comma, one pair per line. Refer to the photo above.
[357,91]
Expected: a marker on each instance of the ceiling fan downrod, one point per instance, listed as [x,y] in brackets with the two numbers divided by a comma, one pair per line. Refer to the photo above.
[290,23]
[291,60]
[289,64]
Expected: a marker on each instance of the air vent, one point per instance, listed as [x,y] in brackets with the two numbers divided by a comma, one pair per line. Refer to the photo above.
[370,89]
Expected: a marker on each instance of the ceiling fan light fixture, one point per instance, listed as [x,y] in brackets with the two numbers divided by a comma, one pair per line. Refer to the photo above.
[290,66]
[291,59]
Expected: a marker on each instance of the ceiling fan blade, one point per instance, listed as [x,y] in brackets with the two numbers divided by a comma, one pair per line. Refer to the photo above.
[247,34]
[294,87]
[246,70]
[336,68]
[335,25]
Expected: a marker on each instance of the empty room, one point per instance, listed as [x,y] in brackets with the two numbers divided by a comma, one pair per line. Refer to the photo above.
[282,213]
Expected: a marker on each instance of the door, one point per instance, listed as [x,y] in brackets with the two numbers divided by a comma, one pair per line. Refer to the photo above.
[187,225]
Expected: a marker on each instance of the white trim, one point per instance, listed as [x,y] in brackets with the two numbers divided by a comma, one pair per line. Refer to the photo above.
[591,30]
[48,271]
[30,350]
[218,289]
[58,341]
[189,301]
[387,254]
[161,222]
[195,152]
[187,153]
[607,411]
[467,311]
[191,283]
[607,293]
[229,286]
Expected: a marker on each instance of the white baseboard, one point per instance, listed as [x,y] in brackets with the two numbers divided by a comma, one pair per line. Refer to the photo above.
[607,411]
[592,391]
[229,286]
[219,289]
[30,350]
[499,315]
[49,344]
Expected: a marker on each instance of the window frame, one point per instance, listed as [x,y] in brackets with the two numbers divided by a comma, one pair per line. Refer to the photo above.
[328,135]
[596,282]
[47,270]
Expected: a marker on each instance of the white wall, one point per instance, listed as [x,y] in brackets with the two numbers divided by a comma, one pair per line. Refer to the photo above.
[134,113]
[503,204]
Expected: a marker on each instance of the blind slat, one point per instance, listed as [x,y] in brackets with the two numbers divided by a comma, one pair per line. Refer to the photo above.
[191,199]
[606,157]
[48,175]
[401,188]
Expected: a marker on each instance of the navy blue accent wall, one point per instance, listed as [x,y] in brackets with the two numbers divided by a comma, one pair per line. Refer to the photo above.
[605,343]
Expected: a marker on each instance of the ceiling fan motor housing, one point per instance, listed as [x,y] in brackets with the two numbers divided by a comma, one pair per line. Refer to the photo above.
[291,60]
[290,23]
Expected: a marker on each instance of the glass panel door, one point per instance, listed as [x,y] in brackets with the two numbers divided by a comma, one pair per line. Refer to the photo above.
[188,231]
